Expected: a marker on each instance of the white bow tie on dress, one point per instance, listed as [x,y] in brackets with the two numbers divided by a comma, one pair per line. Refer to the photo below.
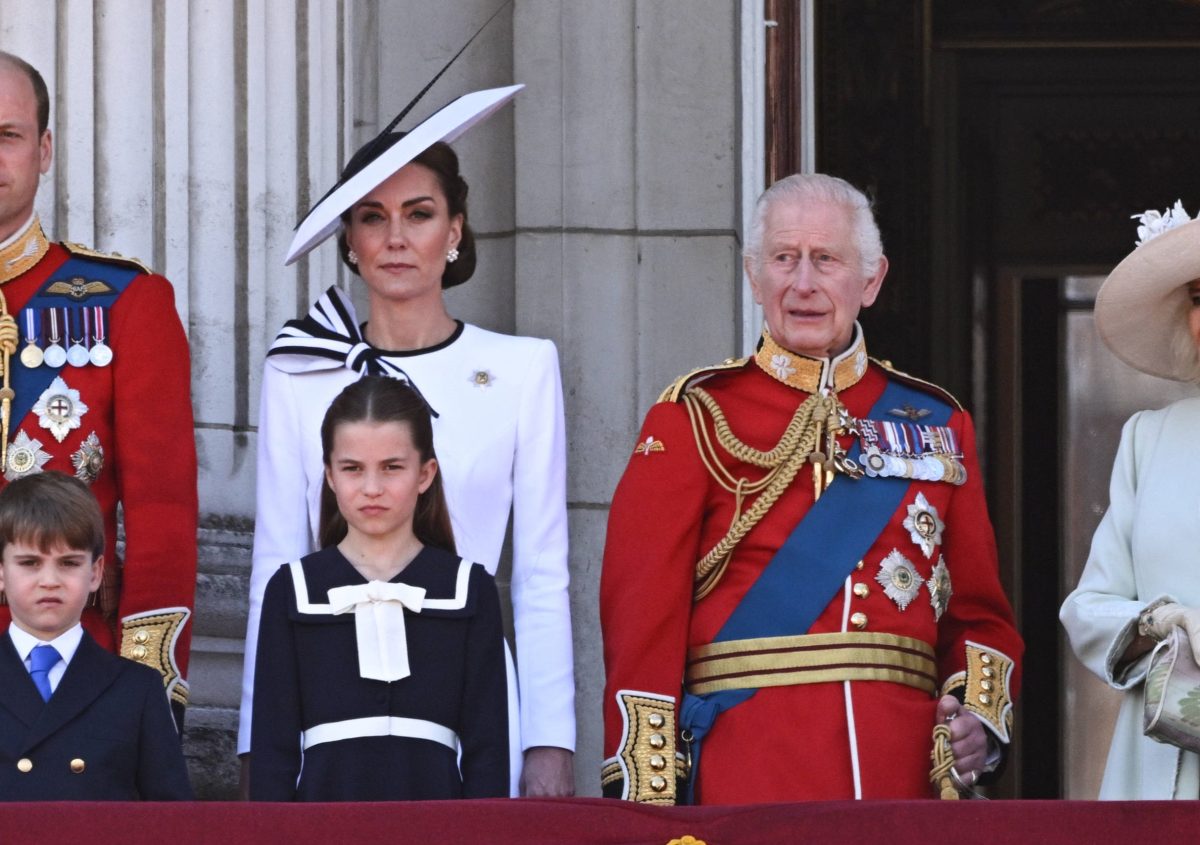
[378,608]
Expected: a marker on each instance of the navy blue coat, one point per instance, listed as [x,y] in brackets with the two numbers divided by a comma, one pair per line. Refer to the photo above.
[109,719]
[307,674]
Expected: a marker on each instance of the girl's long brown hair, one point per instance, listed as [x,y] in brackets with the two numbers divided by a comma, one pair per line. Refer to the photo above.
[378,399]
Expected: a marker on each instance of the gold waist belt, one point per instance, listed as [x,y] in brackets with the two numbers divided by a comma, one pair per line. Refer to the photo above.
[811,659]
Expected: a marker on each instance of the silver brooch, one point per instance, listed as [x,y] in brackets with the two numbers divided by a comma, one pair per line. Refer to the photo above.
[899,578]
[939,588]
[59,409]
[88,459]
[25,457]
[924,525]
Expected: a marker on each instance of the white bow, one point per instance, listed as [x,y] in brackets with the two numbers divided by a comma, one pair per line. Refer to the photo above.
[378,608]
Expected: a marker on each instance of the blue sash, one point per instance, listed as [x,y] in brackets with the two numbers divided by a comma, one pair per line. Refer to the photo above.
[28,384]
[811,565]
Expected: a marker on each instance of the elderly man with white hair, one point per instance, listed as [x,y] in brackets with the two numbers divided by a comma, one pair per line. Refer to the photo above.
[800,577]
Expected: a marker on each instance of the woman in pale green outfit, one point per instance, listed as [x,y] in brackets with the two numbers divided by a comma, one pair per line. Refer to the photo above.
[1142,577]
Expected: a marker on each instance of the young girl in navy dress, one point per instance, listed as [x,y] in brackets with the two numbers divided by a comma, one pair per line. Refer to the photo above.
[380,657]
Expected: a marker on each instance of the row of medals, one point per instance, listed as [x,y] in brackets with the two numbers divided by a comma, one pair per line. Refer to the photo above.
[33,356]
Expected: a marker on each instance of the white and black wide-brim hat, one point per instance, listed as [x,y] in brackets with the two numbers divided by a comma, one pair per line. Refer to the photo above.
[383,156]
[1141,309]
[447,124]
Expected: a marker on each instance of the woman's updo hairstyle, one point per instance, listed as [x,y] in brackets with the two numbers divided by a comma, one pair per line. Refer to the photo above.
[443,161]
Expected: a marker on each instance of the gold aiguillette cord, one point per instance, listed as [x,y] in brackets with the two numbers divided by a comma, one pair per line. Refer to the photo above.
[9,335]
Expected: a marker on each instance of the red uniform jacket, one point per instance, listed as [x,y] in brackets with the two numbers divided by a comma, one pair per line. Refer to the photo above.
[139,409]
[803,741]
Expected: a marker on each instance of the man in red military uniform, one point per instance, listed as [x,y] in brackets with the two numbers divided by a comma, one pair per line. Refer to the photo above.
[800,577]
[96,384]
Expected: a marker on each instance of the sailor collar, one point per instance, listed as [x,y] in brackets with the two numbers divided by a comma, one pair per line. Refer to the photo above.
[813,375]
[23,250]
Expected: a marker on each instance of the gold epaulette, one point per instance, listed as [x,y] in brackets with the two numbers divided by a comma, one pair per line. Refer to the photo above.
[110,257]
[920,384]
[677,387]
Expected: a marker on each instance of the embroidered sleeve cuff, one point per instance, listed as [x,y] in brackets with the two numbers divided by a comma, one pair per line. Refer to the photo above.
[986,690]
[149,638]
[646,766]
[1121,672]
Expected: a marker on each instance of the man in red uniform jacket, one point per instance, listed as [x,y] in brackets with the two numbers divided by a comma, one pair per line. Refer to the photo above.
[98,386]
[800,577]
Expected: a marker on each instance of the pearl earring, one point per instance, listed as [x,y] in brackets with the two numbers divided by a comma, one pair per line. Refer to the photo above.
[452,256]
[352,256]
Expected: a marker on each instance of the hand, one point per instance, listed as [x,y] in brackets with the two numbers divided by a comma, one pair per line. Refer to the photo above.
[1163,619]
[968,739]
[548,772]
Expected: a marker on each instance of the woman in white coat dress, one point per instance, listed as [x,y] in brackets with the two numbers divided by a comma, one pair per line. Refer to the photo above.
[498,431]
[1142,576]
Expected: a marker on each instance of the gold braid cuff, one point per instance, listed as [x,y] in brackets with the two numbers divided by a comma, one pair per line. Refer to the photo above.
[149,638]
[986,690]
[646,757]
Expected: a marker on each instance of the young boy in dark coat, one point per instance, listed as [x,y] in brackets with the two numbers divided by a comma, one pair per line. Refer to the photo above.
[76,722]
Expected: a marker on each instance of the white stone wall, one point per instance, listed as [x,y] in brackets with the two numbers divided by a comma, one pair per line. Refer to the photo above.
[608,202]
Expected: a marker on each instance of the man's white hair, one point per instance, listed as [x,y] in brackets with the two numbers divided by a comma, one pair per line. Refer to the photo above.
[803,188]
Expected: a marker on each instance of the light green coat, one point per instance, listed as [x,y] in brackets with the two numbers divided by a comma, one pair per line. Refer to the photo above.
[1147,547]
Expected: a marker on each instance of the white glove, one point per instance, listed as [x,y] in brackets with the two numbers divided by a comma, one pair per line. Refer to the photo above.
[1162,619]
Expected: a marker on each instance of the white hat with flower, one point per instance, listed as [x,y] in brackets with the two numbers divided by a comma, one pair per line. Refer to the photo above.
[1141,309]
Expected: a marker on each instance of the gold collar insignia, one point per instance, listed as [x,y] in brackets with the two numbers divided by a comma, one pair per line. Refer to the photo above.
[24,252]
[813,374]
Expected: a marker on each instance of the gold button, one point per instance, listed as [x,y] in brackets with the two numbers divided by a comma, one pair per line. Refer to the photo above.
[862,590]
[658,741]
[985,659]
[77,766]
[984,698]
[989,672]
[139,652]
[656,720]
[858,565]
[141,637]
[24,765]
[986,686]
[658,783]
[858,620]
[658,762]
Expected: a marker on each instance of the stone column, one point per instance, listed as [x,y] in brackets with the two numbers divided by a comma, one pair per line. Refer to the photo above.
[627,244]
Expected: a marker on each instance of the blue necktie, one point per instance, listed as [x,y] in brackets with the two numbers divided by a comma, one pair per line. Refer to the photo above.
[41,660]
